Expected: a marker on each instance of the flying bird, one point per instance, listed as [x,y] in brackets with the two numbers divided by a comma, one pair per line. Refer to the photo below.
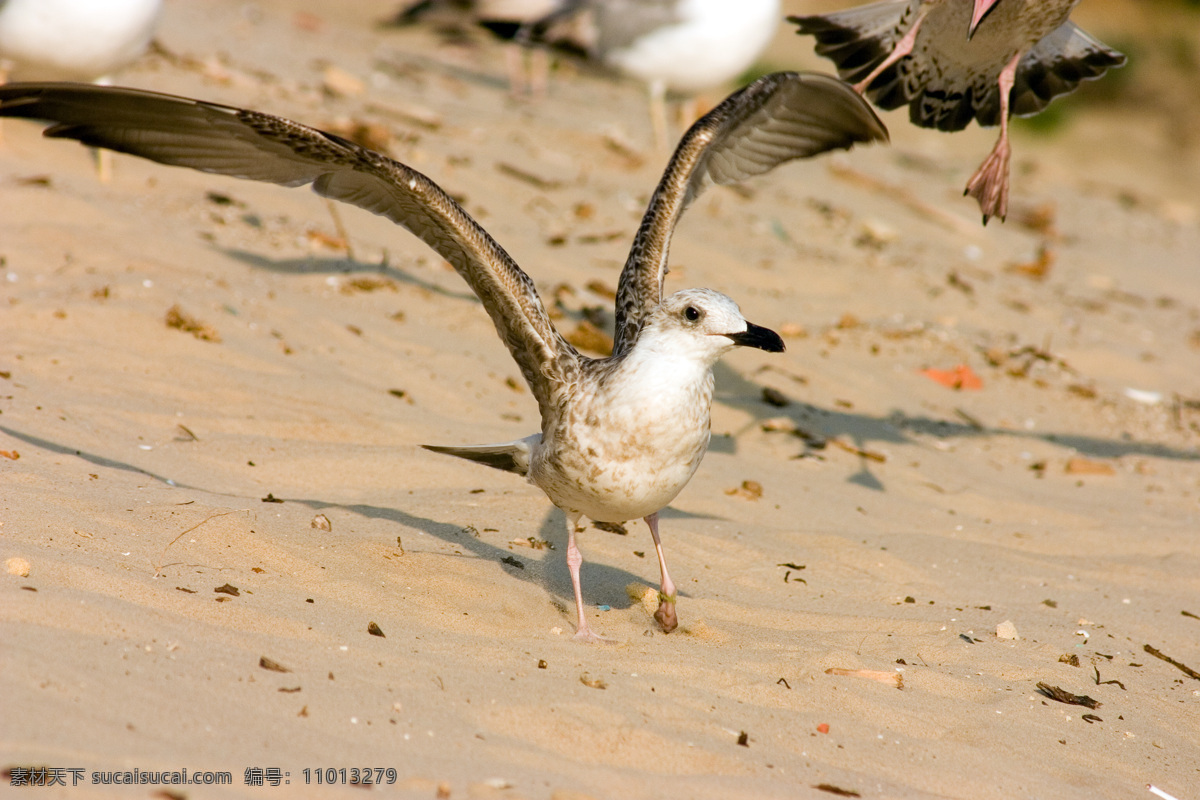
[951,61]
[620,436]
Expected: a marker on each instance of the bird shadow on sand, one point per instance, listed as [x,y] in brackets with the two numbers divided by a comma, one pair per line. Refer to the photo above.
[603,584]
[92,458]
[344,266]
[815,427]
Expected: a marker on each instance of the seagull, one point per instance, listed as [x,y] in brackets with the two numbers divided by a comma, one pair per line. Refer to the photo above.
[73,40]
[951,61]
[620,436]
[678,46]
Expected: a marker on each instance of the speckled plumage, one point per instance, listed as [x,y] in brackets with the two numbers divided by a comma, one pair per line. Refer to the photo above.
[952,61]
[621,436]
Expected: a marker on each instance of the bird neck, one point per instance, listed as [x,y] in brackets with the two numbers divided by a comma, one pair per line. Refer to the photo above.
[656,369]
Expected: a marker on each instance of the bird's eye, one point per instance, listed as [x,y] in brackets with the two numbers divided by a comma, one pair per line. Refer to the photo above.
[692,313]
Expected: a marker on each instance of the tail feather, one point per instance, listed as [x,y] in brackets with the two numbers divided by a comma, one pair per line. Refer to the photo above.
[510,456]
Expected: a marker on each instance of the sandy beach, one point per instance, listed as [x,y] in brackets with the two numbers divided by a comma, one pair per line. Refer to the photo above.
[974,472]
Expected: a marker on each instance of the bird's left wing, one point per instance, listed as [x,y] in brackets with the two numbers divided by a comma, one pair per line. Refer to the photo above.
[1056,65]
[778,118]
[249,144]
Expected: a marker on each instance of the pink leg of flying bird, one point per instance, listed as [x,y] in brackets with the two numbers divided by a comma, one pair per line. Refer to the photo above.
[902,48]
[989,184]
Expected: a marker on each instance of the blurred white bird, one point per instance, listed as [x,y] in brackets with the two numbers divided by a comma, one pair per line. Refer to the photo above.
[73,40]
[679,46]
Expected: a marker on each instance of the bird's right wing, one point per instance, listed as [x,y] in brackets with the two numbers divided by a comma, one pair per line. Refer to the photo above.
[247,144]
[778,118]
[858,39]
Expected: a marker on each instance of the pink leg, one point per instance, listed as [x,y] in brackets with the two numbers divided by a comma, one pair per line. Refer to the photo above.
[989,184]
[902,48]
[666,595]
[583,632]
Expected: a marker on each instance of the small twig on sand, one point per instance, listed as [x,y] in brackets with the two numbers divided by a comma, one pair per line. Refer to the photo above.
[158,568]
[1184,668]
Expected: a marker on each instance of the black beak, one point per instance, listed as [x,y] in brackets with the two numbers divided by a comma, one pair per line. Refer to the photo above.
[760,337]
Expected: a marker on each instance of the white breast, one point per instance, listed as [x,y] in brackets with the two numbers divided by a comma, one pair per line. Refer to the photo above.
[627,448]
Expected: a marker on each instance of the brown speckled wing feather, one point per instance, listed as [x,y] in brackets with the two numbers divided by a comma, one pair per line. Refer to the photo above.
[778,118]
[248,144]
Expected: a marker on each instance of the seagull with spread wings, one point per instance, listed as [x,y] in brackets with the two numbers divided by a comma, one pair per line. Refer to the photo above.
[620,436]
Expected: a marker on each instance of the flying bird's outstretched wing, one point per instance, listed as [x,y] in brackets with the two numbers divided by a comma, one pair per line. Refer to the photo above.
[859,38]
[778,118]
[1057,65]
[247,144]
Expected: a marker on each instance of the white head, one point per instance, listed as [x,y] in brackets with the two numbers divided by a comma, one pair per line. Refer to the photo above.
[705,324]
